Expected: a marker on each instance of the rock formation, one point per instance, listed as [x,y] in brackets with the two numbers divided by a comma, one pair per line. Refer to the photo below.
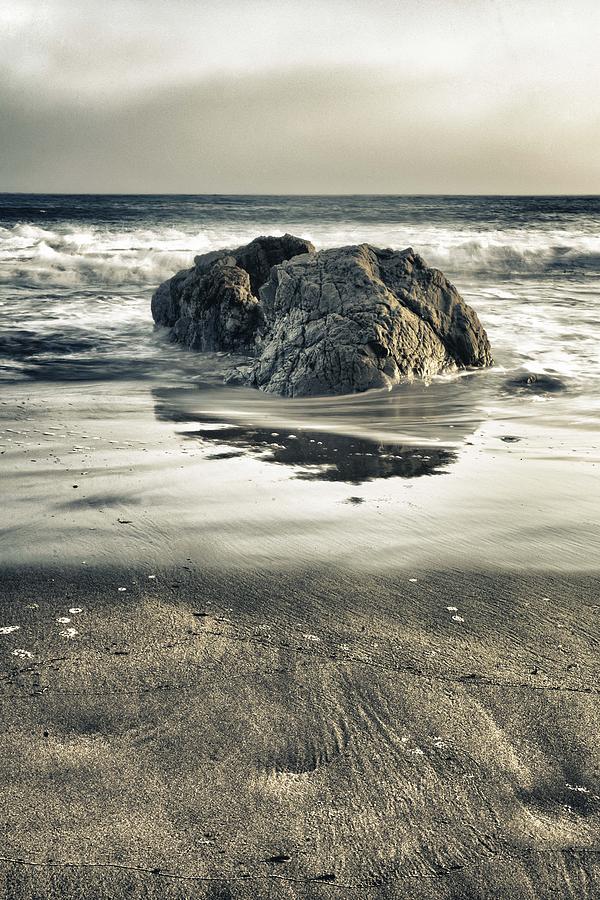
[534,383]
[336,321]
[214,305]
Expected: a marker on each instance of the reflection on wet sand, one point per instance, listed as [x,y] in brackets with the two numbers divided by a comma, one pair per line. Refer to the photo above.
[320,456]
[445,410]
[316,455]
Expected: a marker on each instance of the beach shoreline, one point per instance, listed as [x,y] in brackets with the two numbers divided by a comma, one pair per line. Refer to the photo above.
[123,473]
[255,646]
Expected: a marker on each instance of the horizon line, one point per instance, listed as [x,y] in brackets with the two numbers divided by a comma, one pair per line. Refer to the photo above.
[275,195]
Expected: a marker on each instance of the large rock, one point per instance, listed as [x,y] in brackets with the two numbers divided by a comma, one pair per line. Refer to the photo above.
[335,321]
[214,305]
[359,317]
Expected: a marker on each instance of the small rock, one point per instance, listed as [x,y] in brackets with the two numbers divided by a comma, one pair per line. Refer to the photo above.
[278,858]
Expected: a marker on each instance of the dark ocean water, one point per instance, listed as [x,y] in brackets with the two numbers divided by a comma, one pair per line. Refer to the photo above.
[197,211]
[77,273]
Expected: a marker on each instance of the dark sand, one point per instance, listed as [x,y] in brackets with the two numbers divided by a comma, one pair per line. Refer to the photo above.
[301,734]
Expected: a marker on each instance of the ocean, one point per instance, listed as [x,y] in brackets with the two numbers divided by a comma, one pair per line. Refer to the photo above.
[77,337]
[77,272]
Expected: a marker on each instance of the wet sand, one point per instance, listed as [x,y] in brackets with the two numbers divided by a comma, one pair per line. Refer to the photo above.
[277,684]
[123,473]
[301,734]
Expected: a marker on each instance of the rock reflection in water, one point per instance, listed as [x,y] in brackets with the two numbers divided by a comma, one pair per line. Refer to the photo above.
[350,439]
[322,456]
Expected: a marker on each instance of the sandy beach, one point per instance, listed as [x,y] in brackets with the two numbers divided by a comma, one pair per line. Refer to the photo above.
[257,646]
[299,450]
[234,667]
[301,734]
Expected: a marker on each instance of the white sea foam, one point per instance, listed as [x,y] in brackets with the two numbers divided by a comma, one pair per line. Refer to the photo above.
[91,256]
[72,255]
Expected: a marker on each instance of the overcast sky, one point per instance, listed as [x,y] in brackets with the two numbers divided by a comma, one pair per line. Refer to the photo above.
[318,96]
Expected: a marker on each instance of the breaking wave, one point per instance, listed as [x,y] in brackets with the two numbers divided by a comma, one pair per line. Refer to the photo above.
[73,255]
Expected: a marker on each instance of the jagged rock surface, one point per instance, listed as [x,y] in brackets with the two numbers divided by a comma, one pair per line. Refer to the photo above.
[358,317]
[214,305]
[331,322]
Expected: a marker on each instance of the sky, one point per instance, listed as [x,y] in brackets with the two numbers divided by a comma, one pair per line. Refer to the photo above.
[318,96]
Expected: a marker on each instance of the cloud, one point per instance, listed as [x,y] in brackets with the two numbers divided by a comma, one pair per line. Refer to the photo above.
[339,97]
[104,50]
